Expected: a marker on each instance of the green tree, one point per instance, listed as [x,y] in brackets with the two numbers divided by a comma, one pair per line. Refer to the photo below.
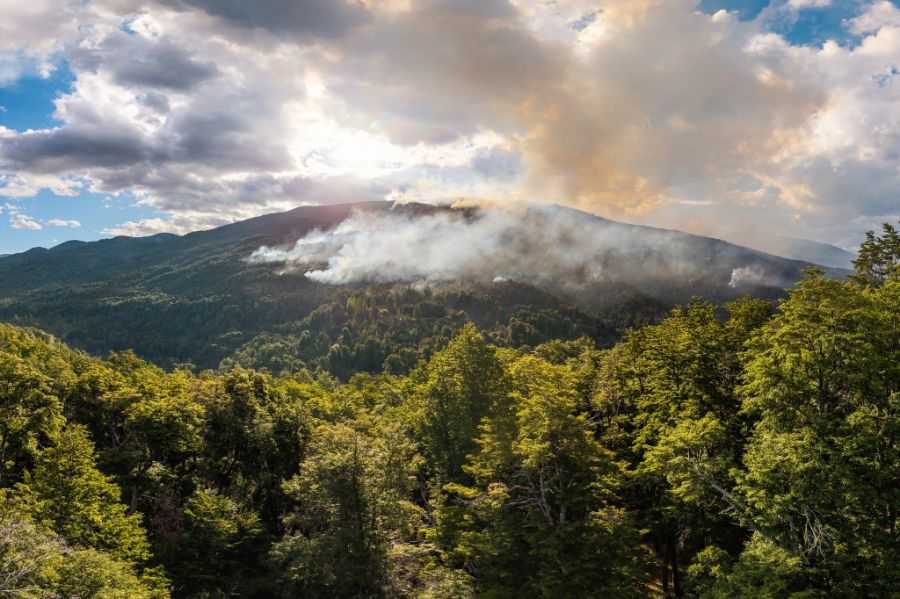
[29,409]
[458,387]
[67,493]
[35,563]
[254,438]
[878,258]
[667,404]
[540,519]
[821,480]
[220,551]
[352,500]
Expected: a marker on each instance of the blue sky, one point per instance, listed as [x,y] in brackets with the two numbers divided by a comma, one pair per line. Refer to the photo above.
[28,103]
[209,116]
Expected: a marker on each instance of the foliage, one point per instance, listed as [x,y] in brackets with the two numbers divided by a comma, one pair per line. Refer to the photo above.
[732,450]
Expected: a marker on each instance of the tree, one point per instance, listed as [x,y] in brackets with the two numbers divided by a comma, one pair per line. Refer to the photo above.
[821,479]
[35,563]
[29,410]
[220,550]
[67,493]
[28,556]
[667,404]
[255,435]
[351,498]
[458,387]
[878,258]
[539,520]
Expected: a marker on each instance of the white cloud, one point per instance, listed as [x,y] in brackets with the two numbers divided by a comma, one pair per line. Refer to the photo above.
[809,3]
[153,226]
[21,185]
[31,32]
[647,109]
[21,221]
[881,13]
[56,222]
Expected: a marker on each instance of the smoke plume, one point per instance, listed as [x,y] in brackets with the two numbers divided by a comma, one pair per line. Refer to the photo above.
[547,246]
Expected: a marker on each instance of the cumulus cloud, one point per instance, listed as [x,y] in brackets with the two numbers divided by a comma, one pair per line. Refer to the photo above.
[646,110]
[17,220]
[31,33]
[137,61]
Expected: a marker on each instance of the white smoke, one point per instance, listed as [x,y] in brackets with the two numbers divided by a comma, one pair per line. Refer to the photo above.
[748,276]
[543,245]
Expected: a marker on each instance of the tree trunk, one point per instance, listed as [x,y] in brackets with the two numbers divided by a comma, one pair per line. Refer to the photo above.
[676,575]
[665,568]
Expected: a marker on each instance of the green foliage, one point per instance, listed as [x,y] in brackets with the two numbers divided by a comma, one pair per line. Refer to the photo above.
[29,410]
[35,563]
[821,479]
[69,495]
[351,501]
[459,386]
[214,555]
[878,258]
[725,451]
[539,517]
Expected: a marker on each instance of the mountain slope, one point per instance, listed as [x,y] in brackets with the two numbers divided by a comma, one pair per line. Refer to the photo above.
[195,298]
[810,251]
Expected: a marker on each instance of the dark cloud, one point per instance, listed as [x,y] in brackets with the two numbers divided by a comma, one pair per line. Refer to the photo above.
[286,18]
[157,102]
[134,60]
[62,150]
[225,138]
[481,9]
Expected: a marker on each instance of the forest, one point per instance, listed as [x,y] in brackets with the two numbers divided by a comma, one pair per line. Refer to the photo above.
[746,449]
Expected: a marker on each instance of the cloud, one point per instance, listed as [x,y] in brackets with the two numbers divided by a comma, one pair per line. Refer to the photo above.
[136,61]
[809,3]
[148,226]
[17,220]
[56,222]
[286,18]
[29,185]
[645,110]
[32,32]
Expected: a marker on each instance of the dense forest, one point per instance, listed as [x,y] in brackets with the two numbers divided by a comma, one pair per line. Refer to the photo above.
[196,302]
[735,450]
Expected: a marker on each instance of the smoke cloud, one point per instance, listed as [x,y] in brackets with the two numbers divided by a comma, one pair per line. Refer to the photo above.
[547,246]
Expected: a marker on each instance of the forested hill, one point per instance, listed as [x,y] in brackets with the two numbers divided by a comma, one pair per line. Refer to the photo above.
[739,454]
[194,299]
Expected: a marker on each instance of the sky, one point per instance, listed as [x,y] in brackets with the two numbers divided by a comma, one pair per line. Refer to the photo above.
[748,120]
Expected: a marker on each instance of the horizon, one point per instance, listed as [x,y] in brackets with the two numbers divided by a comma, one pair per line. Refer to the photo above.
[842,260]
[745,120]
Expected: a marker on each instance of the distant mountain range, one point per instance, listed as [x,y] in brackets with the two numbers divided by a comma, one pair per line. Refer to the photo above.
[811,251]
[196,299]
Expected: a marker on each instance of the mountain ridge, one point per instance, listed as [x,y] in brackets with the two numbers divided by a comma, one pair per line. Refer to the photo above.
[196,299]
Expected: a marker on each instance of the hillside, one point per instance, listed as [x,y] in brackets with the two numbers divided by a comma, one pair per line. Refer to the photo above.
[196,299]
[562,470]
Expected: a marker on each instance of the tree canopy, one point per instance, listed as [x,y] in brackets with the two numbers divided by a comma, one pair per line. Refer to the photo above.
[736,450]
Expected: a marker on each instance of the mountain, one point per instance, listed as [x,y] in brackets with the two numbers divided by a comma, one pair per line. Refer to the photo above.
[808,250]
[196,298]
